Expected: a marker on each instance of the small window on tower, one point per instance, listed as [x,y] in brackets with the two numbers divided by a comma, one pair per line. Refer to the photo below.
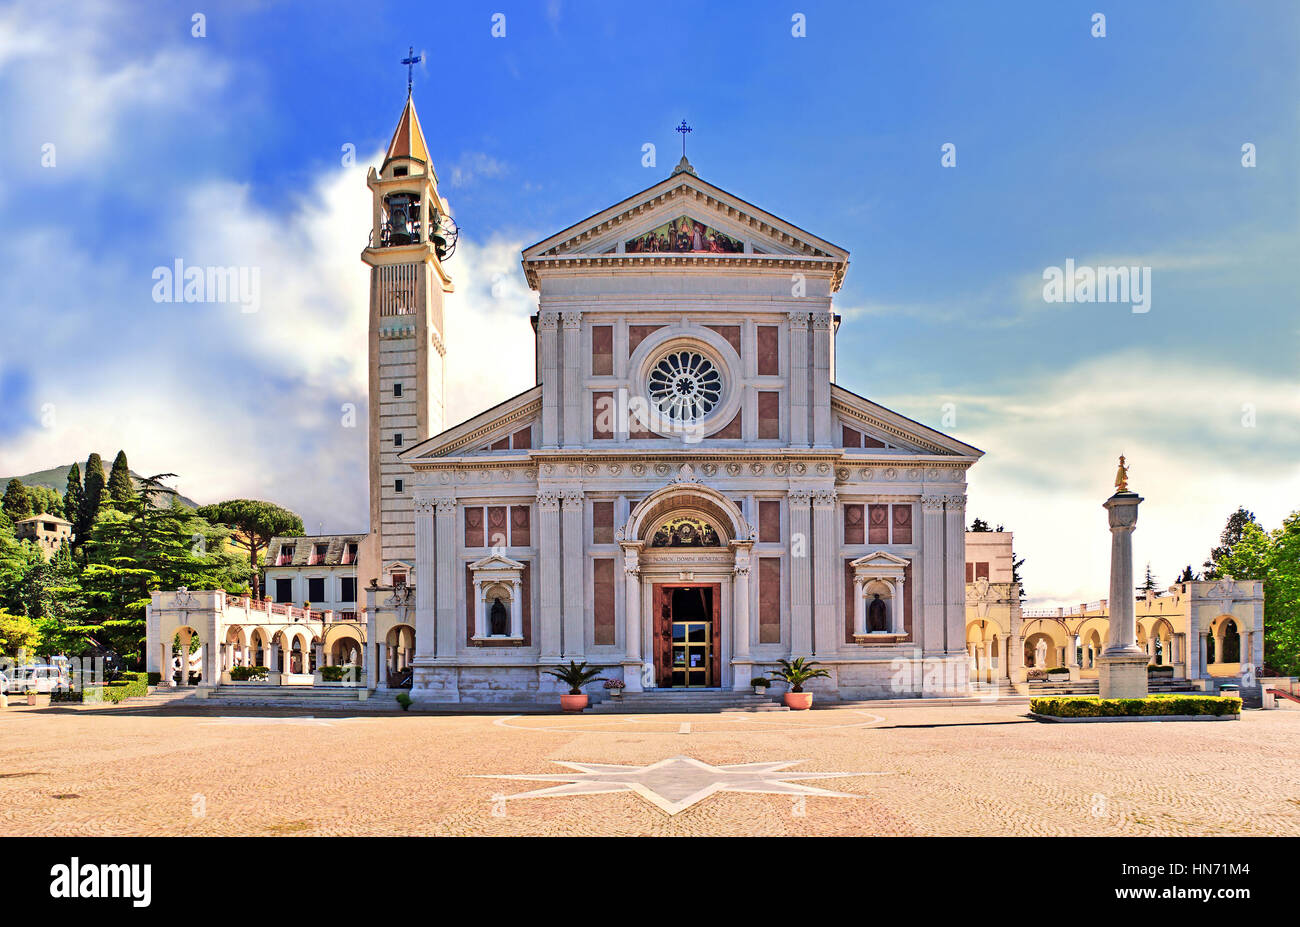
[397,439]
[397,486]
[399,172]
[397,389]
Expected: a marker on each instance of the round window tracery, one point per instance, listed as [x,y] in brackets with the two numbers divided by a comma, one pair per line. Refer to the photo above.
[684,386]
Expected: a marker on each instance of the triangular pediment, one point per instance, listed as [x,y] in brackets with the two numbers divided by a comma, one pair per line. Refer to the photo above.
[496,562]
[690,218]
[511,426]
[899,434]
[879,558]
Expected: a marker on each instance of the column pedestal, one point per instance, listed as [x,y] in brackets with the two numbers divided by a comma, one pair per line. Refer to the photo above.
[1122,666]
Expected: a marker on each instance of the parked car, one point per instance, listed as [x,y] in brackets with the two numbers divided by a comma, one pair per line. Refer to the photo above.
[43,679]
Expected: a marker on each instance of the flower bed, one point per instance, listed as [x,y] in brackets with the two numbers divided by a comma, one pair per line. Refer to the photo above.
[1157,705]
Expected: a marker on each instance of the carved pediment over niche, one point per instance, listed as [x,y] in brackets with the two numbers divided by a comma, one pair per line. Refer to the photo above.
[686,532]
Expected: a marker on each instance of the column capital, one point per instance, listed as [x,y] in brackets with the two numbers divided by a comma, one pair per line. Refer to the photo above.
[548,321]
[955,503]
[423,506]
[572,319]
[572,499]
[548,500]
[824,498]
[445,505]
[932,503]
[799,497]
[821,321]
[797,320]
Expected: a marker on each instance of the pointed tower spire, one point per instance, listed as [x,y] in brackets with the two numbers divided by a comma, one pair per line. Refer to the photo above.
[408,139]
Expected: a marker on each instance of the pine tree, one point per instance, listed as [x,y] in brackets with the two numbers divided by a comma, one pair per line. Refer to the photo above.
[979,525]
[72,500]
[1187,576]
[92,496]
[17,503]
[120,489]
[1228,540]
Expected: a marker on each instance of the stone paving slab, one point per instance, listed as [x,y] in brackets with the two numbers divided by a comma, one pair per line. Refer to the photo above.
[971,770]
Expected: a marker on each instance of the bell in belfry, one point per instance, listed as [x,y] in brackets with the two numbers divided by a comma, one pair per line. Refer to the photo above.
[400,224]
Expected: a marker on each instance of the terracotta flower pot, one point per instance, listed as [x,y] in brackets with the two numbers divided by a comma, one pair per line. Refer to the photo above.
[31,698]
[573,702]
[798,701]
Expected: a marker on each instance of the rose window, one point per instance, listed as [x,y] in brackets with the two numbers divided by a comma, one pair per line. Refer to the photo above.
[685,386]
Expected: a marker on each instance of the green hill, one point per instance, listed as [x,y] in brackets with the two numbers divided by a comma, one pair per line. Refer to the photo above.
[56,478]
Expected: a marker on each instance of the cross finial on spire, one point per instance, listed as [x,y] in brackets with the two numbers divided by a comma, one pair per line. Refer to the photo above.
[684,128]
[411,60]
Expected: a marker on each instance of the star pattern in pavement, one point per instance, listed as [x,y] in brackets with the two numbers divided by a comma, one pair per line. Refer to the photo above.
[676,783]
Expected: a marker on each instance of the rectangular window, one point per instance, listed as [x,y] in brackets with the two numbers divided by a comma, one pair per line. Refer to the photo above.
[399,486]
[602,572]
[397,389]
[769,600]
[399,577]
[769,521]
[602,416]
[769,415]
[497,528]
[349,553]
[902,524]
[638,333]
[285,557]
[522,440]
[520,525]
[316,589]
[602,522]
[852,437]
[318,553]
[854,528]
[474,526]
[769,357]
[602,350]
[970,572]
[981,571]
[284,590]
[877,524]
[348,589]
[397,439]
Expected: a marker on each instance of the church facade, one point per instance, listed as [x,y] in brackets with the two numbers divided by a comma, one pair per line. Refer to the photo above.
[686,495]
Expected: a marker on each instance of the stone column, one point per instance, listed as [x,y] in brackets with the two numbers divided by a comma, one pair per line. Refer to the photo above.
[859,606]
[479,625]
[573,391]
[821,379]
[426,582]
[548,543]
[899,611]
[932,575]
[740,661]
[1121,668]
[516,608]
[954,562]
[548,359]
[827,626]
[798,324]
[574,557]
[445,543]
[801,611]
[632,660]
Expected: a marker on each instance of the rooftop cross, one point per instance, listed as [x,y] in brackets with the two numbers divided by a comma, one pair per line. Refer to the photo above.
[684,128]
[411,60]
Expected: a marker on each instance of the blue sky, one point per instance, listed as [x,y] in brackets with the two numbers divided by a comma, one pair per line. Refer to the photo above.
[226,149]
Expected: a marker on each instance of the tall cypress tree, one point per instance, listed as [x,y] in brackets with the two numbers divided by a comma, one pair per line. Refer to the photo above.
[120,489]
[72,500]
[92,494]
[17,503]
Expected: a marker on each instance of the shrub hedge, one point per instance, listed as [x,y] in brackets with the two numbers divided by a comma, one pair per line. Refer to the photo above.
[341,673]
[128,685]
[1092,706]
[245,673]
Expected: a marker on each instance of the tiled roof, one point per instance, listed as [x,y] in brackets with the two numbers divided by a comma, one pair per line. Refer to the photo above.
[304,549]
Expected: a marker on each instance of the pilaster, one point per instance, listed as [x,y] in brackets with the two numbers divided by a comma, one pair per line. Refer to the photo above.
[572,424]
[548,543]
[827,632]
[932,615]
[801,601]
[798,326]
[574,639]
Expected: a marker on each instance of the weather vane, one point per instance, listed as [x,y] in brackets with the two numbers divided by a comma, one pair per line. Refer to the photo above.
[684,128]
[411,60]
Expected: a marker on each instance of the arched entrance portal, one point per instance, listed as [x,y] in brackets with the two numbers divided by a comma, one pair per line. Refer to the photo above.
[686,551]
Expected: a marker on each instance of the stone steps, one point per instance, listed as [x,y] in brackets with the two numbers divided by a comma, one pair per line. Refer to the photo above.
[687,702]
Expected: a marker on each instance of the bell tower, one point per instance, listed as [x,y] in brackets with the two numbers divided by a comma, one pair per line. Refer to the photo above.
[411,236]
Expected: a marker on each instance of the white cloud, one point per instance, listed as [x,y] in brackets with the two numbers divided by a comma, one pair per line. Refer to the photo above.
[1051,451]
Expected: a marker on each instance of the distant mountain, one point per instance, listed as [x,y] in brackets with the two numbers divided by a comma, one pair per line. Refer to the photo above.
[57,479]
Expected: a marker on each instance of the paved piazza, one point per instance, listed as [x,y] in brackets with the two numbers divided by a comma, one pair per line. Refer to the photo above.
[908,771]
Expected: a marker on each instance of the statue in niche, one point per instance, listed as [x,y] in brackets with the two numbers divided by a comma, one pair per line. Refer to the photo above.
[1040,654]
[498,619]
[876,614]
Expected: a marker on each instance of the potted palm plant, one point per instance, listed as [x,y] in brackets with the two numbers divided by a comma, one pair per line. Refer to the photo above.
[796,673]
[575,676]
